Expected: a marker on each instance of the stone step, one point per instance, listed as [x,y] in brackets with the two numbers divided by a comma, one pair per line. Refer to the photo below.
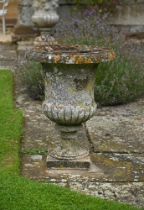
[8,54]
[104,168]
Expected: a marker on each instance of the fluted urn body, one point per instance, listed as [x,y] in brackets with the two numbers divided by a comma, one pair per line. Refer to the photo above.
[69,93]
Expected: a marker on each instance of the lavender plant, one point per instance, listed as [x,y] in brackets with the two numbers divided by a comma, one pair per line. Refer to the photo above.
[88,27]
[119,82]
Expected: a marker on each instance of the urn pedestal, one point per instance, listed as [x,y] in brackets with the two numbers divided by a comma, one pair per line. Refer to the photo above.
[69,100]
[69,89]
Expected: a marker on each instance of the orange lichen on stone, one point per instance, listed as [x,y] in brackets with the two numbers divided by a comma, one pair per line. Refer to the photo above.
[82,60]
[57,59]
[72,55]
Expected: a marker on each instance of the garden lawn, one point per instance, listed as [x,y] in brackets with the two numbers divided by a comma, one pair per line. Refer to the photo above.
[18,193]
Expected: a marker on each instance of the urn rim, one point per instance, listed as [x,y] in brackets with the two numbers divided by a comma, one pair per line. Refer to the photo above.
[57,54]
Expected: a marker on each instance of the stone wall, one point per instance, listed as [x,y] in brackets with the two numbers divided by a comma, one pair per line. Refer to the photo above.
[129,14]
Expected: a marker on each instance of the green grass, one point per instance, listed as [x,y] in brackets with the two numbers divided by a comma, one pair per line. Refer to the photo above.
[18,193]
[10,126]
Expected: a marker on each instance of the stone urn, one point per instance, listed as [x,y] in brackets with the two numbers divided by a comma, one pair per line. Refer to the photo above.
[45,15]
[70,73]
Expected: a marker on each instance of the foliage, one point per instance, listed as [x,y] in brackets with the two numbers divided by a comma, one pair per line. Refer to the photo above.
[99,5]
[119,82]
[99,2]
[18,193]
[88,27]
[33,79]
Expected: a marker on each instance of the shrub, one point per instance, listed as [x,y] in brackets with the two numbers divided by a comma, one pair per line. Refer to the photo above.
[97,2]
[32,78]
[89,28]
[119,82]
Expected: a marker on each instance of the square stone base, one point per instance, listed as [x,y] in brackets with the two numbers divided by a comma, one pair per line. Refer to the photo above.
[83,163]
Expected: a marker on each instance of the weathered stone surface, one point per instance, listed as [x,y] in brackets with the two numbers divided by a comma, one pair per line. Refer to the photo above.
[37,127]
[129,14]
[8,52]
[120,130]
[36,157]
[69,93]
[131,193]
[83,163]
[120,167]
[57,54]
[24,28]
[25,14]
[110,182]
[5,38]
[65,146]
[8,56]
[104,168]
[45,15]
